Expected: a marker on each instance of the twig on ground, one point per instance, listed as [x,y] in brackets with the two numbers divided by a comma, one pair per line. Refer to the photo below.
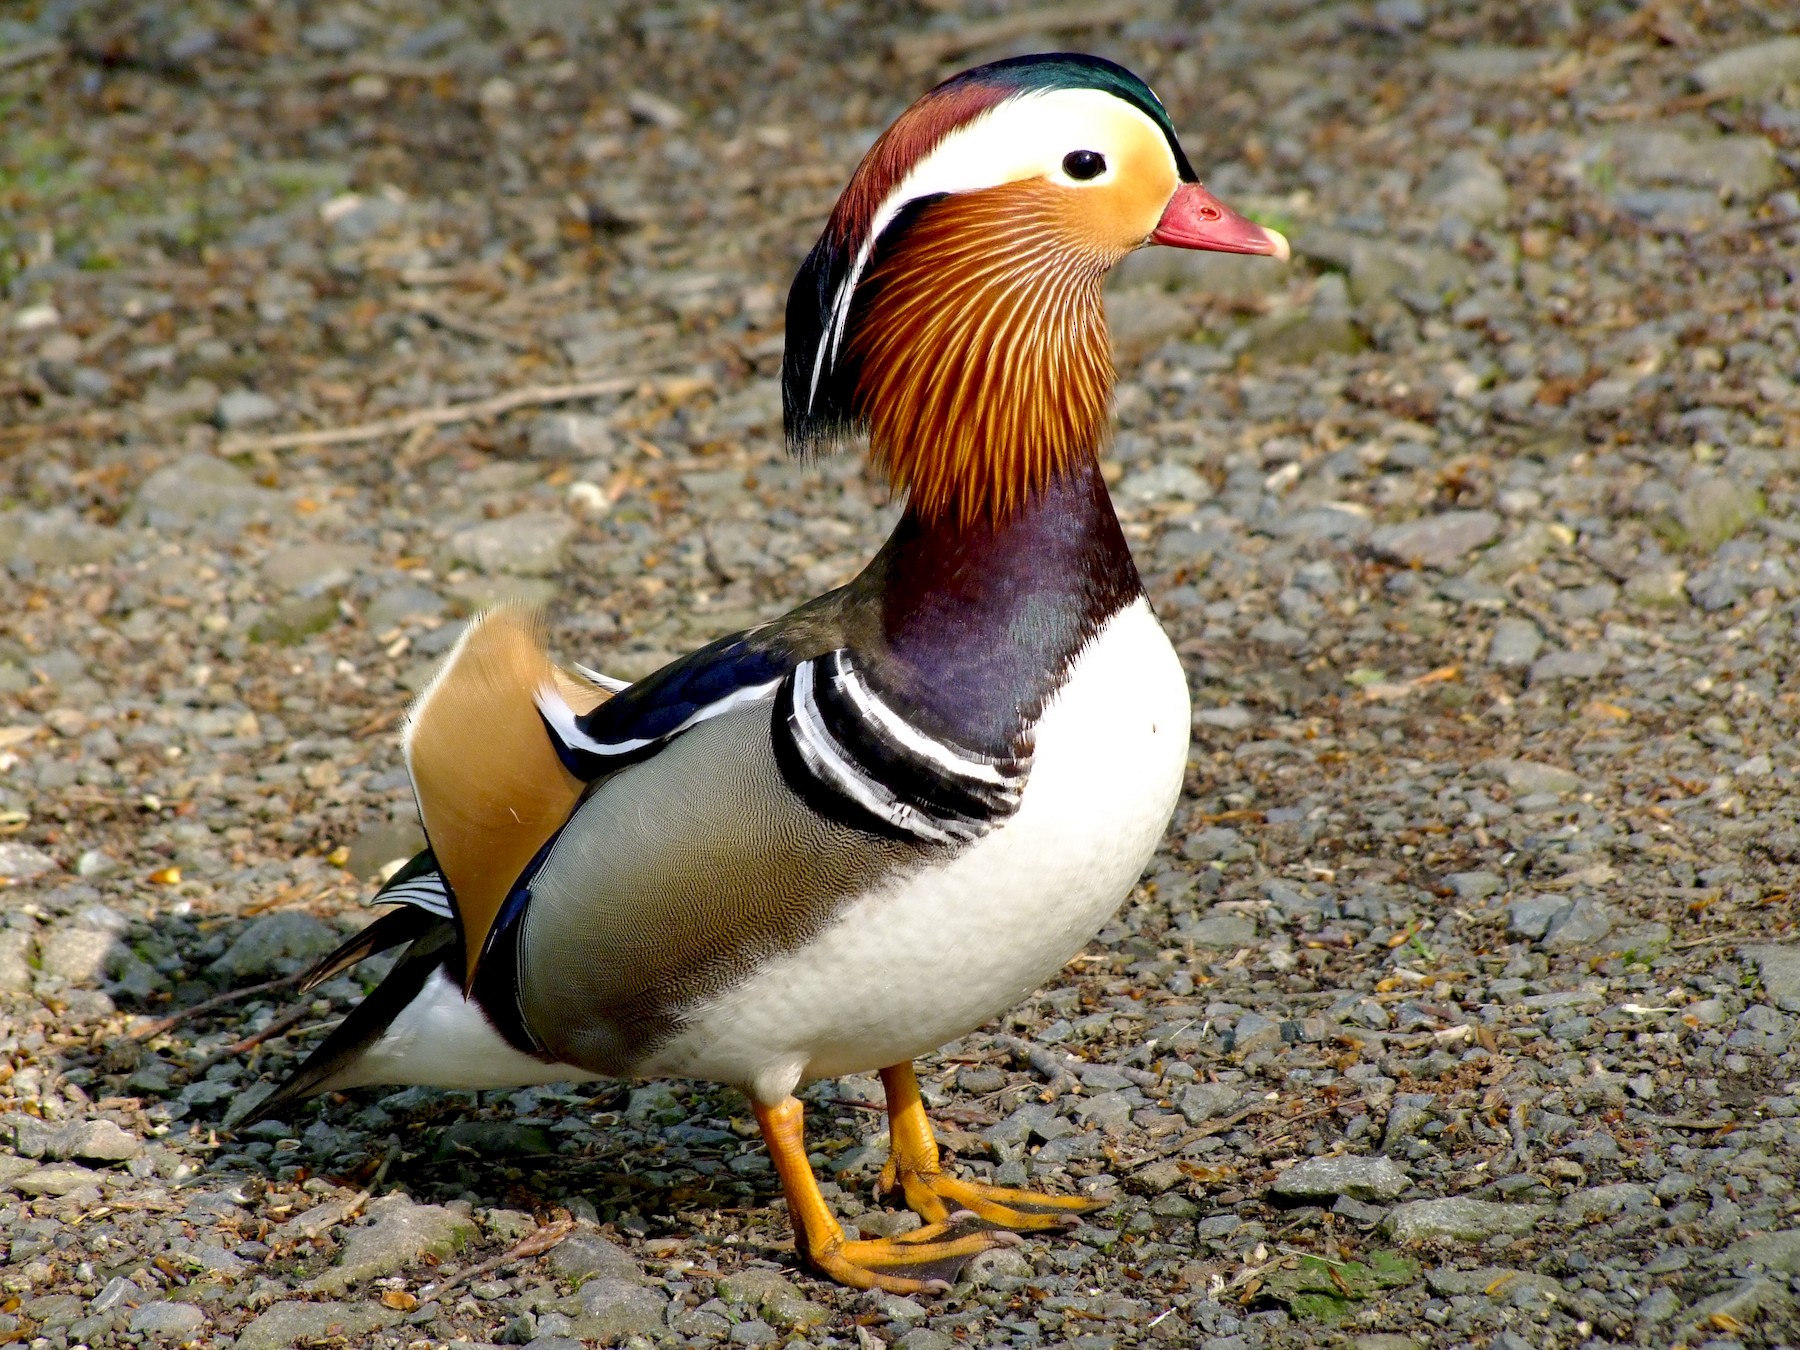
[175,1019]
[280,1024]
[533,1244]
[477,410]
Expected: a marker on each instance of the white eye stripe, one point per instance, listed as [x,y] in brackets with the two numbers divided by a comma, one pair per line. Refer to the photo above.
[1027,136]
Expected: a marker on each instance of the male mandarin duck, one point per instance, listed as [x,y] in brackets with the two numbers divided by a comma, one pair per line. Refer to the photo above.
[832,843]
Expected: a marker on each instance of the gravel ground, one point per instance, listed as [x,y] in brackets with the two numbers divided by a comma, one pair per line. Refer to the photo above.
[1460,1007]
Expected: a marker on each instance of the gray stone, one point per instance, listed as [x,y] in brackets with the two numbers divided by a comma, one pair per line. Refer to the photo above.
[1379,269]
[581,1256]
[1778,968]
[1332,521]
[399,1232]
[1461,1219]
[1474,885]
[1657,586]
[1006,1268]
[1659,1306]
[1530,916]
[1230,717]
[1582,924]
[1164,480]
[1515,1288]
[244,408]
[56,538]
[1220,930]
[1360,1178]
[925,1338]
[1435,541]
[295,619]
[1255,1032]
[77,954]
[1207,1101]
[776,1297]
[1214,843]
[1586,665]
[397,604]
[276,944]
[1747,1303]
[314,569]
[532,543]
[1514,645]
[22,862]
[15,960]
[168,1321]
[1772,1251]
[1485,63]
[56,1179]
[1717,510]
[1468,185]
[1526,546]
[100,1140]
[610,1309]
[1760,68]
[1599,1202]
[288,1324]
[654,1104]
[1742,166]
[1527,775]
[570,435]
[1300,338]
[202,494]
[1144,318]
[118,1292]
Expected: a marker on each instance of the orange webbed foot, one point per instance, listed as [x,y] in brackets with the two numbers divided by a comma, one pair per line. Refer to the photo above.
[913,1169]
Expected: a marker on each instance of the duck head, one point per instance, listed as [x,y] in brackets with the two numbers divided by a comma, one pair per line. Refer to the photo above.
[952,306]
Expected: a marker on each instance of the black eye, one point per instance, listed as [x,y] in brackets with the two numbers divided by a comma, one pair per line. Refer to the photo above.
[1082,165]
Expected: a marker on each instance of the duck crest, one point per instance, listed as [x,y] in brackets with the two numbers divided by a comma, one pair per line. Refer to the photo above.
[951,308]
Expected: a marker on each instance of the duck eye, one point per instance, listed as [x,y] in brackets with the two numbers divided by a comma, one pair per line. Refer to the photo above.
[1082,165]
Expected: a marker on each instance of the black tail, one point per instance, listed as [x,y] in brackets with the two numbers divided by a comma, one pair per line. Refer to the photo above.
[433,939]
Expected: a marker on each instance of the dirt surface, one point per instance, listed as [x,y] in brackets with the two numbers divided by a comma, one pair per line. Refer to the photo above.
[1459,1007]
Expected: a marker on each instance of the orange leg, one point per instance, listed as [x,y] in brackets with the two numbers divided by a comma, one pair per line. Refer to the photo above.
[913,1169]
[924,1260]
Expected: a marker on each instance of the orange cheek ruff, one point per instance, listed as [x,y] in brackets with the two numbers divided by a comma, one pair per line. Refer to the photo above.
[978,350]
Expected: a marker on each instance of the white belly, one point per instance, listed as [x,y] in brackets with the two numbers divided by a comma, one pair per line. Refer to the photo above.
[913,966]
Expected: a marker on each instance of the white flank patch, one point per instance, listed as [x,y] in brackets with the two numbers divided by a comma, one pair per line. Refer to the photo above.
[442,1039]
[943,950]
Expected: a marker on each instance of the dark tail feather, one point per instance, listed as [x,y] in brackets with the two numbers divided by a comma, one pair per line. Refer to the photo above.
[434,940]
[406,924]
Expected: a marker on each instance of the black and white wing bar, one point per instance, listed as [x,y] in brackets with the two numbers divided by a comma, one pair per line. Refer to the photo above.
[856,758]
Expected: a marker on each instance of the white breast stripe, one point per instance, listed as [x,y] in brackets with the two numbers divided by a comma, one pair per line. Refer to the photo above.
[561,718]
[828,761]
[977,768]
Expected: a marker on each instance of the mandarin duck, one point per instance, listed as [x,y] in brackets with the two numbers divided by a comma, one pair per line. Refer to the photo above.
[834,842]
